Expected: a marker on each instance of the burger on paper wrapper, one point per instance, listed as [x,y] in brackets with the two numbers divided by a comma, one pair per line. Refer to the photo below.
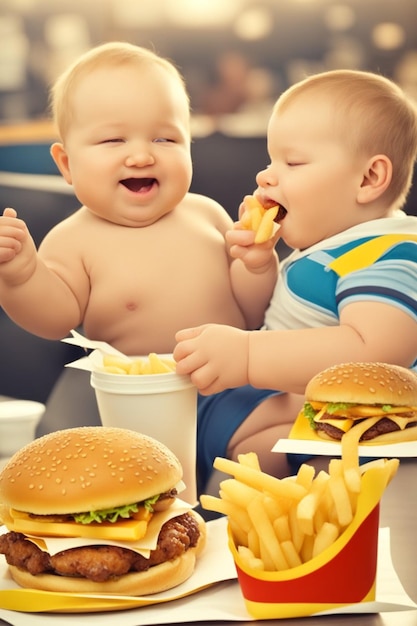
[381,396]
[94,510]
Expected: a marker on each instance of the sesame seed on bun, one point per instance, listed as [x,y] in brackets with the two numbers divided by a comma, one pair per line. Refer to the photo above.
[364,383]
[87,468]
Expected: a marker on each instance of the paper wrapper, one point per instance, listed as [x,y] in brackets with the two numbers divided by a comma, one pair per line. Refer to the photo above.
[304,440]
[343,574]
[208,595]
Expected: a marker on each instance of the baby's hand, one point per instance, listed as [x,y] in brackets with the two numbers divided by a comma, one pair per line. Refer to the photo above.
[204,353]
[17,249]
[12,234]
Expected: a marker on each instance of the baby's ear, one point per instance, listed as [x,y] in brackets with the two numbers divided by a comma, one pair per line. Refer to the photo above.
[60,157]
[376,178]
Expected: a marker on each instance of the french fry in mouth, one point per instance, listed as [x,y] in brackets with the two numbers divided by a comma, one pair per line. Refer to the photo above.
[255,217]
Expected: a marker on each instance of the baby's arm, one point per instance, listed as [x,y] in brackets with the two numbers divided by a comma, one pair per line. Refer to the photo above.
[254,270]
[368,331]
[219,357]
[30,293]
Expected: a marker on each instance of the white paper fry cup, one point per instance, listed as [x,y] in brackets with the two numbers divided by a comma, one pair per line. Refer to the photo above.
[162,406]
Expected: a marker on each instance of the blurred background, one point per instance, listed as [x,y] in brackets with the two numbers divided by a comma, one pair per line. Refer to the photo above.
[236,55]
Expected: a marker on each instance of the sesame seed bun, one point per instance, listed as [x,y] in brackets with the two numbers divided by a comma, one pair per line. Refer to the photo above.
[364,383]
[87,468]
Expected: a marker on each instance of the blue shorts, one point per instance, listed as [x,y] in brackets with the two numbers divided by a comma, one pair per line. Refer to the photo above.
[219,416]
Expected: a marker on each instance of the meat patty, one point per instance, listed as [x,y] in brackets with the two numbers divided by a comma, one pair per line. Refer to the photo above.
[384,425]
[101,563]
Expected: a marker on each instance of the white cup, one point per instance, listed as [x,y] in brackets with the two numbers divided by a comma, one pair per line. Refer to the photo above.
[18,421]
[162,406]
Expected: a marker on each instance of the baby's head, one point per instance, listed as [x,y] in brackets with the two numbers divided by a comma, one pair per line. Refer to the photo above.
[373,115]
[108,55]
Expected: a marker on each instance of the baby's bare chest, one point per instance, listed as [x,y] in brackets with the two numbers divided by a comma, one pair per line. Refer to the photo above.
[137,265]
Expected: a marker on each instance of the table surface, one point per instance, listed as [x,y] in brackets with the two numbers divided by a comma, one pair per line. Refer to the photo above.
[399,513]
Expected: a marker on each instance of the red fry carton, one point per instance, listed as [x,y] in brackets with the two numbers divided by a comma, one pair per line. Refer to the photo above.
[343,574]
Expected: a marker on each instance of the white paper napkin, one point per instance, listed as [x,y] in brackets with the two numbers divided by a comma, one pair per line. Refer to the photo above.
[221,602]
[328,448]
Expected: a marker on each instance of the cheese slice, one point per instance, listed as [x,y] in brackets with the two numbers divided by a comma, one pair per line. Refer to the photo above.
[142,546]
[402,422]
[341,423]
[343,419]
[124,529]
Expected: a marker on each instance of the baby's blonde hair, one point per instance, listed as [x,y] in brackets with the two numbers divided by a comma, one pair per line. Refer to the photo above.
[375,117]
[112,54]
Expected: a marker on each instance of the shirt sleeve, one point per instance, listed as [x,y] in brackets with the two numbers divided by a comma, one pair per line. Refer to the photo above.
[392,279]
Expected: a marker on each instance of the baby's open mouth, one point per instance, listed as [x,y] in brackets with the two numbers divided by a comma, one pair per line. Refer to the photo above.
[138,184]
[269,203]
[282,212]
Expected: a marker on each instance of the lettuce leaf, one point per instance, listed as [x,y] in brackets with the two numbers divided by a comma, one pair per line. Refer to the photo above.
[113,514]
[310,413]
[332,407]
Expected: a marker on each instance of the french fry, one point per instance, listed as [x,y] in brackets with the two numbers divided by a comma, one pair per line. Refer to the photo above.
[153,364]
[306,551]
[255,217]
[253,542]
[282,528]
[291,554]
[115,364]
[250,459]
[170,363]
[305,475]
[321,515]
[297,533]
[157,365]
[265,229]
[274,507]
[226,508]
[237,492]
[341,500]
[267,538]
[307,507]
[326,536]
[260,480]
[278,524]
[253,562]
[266,558]
[136,367]
[240,536]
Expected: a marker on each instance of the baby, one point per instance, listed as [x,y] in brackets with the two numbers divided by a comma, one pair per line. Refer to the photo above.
[342,146]
[142,257]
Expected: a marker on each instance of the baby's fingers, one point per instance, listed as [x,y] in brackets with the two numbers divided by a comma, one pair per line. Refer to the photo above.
[9,212]
[189,333]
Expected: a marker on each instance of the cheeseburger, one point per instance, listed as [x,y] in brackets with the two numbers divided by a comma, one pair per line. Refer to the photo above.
[344,395]
[94,510]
